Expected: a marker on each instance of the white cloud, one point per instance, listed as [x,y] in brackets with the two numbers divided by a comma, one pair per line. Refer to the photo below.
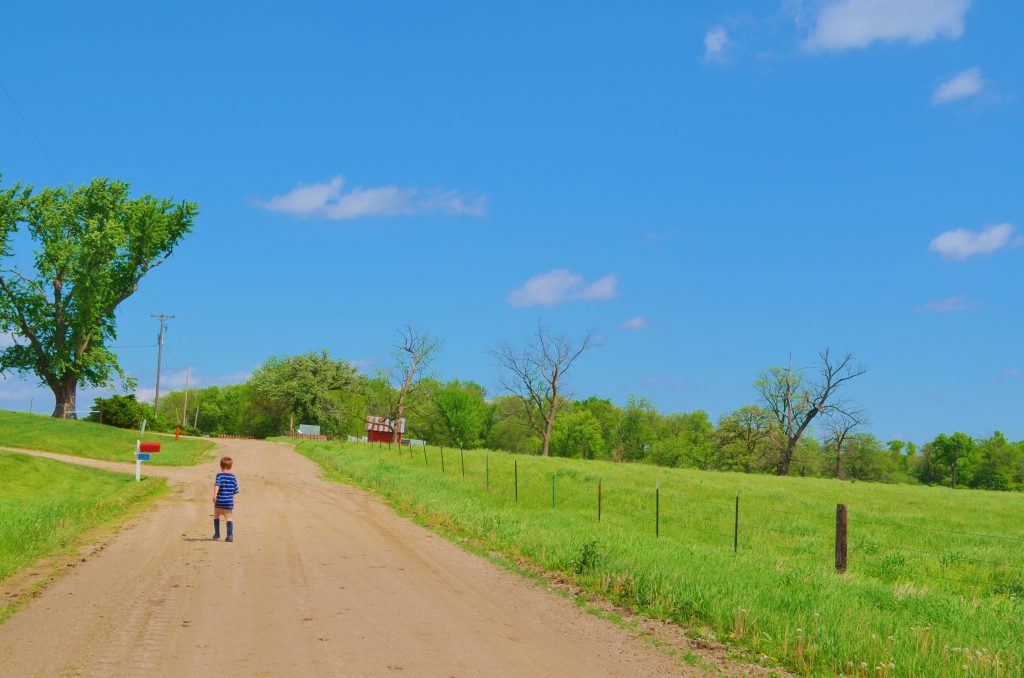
[175,381]
[1010,373]
[364,364]
[964,84]
[716,45]
[6,339]
[545,289]
[962,244]
[949,305]
[603,289]
[849,24]
[239,377]
[561,284]
[637,323]
[328,201]
[169,381]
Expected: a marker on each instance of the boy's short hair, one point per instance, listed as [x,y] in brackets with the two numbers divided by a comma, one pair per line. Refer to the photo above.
[225,463]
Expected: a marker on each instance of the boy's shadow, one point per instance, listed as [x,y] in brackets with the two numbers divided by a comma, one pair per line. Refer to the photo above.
[196,539]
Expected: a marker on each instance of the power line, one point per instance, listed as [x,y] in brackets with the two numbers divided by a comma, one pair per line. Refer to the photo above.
[33,133]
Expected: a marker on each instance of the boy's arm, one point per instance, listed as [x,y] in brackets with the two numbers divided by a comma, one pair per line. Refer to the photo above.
[216,491]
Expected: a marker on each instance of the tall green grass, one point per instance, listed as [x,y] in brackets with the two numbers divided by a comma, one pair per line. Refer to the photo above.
[95,441]
[46,505]
[934,585]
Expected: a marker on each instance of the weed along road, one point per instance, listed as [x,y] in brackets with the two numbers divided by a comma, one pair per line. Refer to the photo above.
[322,580]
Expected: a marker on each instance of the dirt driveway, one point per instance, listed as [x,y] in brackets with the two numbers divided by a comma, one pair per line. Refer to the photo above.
[322,580]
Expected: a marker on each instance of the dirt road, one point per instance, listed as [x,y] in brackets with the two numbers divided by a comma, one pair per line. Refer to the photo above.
[322,580]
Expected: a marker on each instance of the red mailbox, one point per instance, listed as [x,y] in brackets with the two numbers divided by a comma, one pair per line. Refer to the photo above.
[149,447]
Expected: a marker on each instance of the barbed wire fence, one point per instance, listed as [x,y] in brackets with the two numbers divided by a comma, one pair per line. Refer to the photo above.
[811,535]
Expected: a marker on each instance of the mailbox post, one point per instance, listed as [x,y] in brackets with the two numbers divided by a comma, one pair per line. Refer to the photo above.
[142,453]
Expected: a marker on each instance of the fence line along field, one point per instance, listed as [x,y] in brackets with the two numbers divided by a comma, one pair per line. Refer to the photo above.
[925,592]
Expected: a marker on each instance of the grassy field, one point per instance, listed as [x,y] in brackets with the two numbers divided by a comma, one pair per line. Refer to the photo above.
[45,506]
[86,439]
[935,584]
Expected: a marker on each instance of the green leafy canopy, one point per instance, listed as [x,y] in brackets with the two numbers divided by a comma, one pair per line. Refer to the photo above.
[93,243]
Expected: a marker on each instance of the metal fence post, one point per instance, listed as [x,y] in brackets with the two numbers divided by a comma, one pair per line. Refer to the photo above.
[657,508]
[736,526]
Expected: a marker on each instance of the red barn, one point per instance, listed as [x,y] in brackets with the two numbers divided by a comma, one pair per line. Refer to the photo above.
[379,429]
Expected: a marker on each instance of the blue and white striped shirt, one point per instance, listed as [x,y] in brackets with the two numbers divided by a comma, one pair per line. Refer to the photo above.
[227,488]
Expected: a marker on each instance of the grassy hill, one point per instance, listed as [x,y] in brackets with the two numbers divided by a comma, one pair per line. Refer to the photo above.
[96,441]
[934,585]
[45,507]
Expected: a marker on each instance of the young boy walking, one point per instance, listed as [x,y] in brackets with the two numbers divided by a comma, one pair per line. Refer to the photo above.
[225,487]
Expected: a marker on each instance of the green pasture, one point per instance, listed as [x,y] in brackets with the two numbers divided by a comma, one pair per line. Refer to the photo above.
[95,441]
[934,587]
[46,505]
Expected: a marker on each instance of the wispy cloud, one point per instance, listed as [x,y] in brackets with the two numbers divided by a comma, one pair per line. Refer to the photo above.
[637,323]
[851,24]
[175,381]
[962,85]
[962,244]
[1010,373]
[561,284]
[329,201]
[601,289]
[716,45]
[953,304]
[364,364]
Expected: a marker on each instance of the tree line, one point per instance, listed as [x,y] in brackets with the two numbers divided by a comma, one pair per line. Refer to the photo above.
[775,434]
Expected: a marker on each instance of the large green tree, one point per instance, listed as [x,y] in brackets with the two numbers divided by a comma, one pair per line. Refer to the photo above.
[92,245]
[311,388]
[954,456]
[459,413]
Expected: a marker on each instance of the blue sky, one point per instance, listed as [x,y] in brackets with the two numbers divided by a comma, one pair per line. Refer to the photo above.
[712,186]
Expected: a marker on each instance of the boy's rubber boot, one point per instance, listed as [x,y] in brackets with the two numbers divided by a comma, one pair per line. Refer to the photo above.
[231,531]
[216,528]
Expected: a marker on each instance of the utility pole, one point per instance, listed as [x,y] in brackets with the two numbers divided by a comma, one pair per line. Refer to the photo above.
[184,407]
[164,317]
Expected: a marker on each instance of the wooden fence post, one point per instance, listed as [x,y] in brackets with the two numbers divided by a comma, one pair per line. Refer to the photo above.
[841,538]
[442,460]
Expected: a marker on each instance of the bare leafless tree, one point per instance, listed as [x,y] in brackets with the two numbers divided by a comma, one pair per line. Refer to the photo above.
[534,374]
[794,401]
[390,393]
[412,354]
[838,427]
